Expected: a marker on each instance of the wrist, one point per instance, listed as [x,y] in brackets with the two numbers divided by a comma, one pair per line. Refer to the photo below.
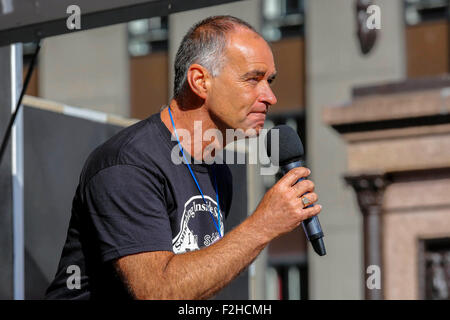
[258,230]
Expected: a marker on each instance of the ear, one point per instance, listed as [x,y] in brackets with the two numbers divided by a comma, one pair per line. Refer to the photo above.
[198,78]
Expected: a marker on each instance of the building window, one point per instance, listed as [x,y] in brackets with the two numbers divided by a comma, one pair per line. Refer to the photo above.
[435,269]
[427,37]
[147,36]
[418,11]
[287,279]
[282,18]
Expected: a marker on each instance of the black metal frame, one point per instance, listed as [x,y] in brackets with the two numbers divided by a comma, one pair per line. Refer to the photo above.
[135,10]
[19,103]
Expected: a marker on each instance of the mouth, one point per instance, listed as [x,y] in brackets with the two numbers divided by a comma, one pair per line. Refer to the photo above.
[258,117]
[260,109]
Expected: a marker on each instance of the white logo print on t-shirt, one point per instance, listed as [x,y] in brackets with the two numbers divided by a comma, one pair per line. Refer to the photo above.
[189,238]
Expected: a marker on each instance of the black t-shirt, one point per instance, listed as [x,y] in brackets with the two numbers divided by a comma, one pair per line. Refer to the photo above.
[132,198]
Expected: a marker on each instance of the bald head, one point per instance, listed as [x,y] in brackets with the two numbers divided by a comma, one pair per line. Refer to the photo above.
[205,44]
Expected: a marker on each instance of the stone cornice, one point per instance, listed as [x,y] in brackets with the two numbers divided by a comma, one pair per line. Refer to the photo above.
[401,110]
[395,132]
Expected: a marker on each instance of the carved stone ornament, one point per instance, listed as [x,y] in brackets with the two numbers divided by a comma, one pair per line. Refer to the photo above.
[369,189]
[366,36]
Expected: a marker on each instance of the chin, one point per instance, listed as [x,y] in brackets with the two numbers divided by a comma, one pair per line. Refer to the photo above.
[248,130]
[254,130]
[258,129]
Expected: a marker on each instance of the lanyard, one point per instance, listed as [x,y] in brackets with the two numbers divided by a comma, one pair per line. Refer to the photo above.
[196,182]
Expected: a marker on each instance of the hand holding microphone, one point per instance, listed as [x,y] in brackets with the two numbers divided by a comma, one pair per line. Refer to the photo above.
[291,157]
[281,209]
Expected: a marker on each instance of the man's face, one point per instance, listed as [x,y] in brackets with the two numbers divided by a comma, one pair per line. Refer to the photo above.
[241,95]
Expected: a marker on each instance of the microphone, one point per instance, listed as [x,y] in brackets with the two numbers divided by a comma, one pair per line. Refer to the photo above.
[291,155]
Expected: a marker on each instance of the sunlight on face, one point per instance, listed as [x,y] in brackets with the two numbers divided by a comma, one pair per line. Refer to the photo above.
[241,95]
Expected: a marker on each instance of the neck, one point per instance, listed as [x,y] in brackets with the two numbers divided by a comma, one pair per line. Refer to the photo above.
[191,123]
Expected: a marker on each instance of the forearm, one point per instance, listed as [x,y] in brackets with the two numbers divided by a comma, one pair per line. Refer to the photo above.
[202,273]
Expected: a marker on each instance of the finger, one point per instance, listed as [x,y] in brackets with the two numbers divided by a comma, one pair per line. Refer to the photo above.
[311,212]
[309,199]
[293,175]
[303,187]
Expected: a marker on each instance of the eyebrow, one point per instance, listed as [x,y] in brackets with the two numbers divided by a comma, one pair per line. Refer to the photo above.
[258,73]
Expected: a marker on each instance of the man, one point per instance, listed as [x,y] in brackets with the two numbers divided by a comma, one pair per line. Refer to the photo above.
[144,227]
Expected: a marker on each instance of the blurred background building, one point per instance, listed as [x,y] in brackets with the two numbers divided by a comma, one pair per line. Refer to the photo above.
[374,121]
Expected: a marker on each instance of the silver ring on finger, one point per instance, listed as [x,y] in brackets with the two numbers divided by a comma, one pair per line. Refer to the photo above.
[306,202]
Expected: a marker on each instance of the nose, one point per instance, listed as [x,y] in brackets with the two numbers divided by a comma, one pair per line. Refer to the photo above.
[267,96]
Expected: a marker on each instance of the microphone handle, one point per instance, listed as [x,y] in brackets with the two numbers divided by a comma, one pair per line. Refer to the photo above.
[311,226]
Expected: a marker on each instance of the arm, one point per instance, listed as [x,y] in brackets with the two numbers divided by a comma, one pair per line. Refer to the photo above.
[202,273]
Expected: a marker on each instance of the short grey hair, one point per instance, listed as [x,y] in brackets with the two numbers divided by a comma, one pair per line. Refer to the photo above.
[204,44]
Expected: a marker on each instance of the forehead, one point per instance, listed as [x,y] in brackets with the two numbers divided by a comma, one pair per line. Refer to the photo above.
[247,50]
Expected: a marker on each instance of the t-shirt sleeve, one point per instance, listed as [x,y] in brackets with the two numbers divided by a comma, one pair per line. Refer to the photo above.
[127,212]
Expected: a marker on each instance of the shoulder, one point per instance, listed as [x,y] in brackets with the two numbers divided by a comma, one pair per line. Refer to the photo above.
[137,146]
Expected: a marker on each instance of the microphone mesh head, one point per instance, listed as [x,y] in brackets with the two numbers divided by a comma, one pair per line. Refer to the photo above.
[289,145]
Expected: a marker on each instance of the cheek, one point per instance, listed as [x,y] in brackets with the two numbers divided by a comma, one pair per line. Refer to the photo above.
[233,102]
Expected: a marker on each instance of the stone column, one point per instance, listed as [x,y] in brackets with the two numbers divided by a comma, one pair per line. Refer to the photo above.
[369,189]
